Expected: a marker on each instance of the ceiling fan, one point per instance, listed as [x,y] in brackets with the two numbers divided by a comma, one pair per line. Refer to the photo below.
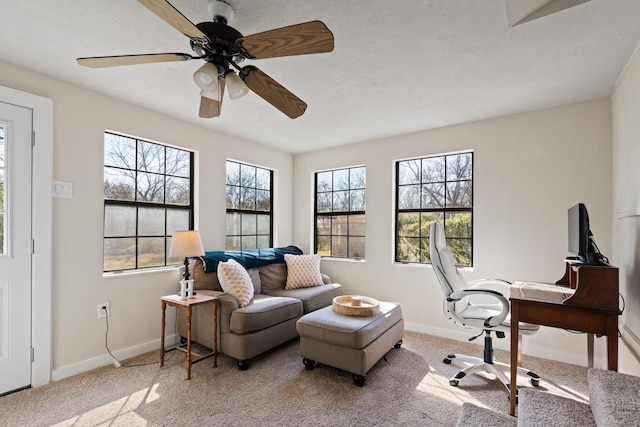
[222,48]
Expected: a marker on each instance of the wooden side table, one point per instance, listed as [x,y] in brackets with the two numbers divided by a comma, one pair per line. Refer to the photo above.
[188,304]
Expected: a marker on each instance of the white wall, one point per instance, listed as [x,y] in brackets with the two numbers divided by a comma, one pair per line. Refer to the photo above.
[626,202]
[80,119]
[529,169]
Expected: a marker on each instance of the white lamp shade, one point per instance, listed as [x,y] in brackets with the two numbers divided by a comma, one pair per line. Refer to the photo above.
[236,87]
[206,77]
[186,244]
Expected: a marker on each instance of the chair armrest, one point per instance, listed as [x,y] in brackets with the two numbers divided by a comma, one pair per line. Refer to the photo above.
[493,320]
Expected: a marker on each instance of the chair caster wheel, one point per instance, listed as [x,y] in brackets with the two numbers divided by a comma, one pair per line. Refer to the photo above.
[446,361]
[454,383]
[535,382]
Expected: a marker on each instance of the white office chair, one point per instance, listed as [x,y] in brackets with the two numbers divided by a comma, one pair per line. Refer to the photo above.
[489,317]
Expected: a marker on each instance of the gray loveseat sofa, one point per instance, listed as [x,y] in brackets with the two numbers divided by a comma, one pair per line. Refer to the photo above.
[270,318]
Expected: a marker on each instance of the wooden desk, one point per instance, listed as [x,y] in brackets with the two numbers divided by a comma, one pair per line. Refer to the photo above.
[176,301]
[549,305]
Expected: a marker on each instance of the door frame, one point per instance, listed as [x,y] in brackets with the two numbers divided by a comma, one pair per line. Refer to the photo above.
[41,228]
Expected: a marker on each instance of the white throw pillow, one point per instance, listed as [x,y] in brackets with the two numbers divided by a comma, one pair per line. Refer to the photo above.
[303,271]
[235,281]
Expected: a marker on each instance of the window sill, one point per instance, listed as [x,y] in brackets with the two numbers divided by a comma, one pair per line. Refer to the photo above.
[153,270]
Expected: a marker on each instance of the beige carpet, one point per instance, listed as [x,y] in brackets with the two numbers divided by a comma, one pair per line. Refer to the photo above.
[409,388]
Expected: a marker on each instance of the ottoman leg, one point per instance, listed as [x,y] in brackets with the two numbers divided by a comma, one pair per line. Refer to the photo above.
[398,344]
[308,364]
[359,379]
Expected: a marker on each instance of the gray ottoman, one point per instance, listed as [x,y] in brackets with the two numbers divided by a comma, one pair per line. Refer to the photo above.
[351,343]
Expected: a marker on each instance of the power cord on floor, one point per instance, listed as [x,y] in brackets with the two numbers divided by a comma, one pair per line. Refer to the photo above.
[115,361]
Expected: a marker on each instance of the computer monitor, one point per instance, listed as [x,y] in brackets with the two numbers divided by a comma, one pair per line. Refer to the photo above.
[581,241]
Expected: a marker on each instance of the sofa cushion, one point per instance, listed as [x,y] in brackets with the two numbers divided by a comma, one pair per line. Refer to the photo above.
[303,271]
[313,298]
[203,280]
[264,312]
[236,281]
[273,277]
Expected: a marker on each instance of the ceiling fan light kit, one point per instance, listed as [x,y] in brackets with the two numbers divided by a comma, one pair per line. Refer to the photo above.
[222,48]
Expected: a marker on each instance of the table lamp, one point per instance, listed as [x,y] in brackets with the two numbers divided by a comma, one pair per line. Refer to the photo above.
[186,244]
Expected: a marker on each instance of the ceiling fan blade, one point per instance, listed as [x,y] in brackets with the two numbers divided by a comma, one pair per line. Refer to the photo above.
[173,17]
[272,92]
[300,39]
[210,108]
[116,61]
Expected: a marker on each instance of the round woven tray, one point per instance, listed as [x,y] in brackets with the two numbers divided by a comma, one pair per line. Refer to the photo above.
[348,305]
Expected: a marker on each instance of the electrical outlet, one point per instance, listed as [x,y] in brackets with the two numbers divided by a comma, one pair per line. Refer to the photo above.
[104,310]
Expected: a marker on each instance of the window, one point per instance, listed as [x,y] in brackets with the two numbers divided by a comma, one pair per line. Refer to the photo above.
[434,189]
[340,213]
[148,194]
[249,207]
[3,205]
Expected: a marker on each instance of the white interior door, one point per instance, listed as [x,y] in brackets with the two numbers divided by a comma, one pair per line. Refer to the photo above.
[15,247]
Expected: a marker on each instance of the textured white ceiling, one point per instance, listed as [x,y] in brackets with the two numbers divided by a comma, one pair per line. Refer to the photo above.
[397,67]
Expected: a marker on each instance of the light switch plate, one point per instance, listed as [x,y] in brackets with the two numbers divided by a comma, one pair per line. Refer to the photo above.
[62,189]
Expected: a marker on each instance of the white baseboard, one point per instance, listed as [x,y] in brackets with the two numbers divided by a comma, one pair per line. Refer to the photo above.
[105,359]
[502,344]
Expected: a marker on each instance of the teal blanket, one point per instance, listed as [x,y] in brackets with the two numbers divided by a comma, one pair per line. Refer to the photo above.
[248,258]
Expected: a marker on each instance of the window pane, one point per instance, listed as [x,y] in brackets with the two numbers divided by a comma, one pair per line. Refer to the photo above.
[264,224]
[263,179]
[178,192]
[263,200]
[458,224]
[119,184]
[249,242]
[432,196]
[356,225]
[247,198]
[119,151]
[356,247]
[151,251]
[233,224]
[151,222]
[247,176]
[150,157]
[461,250]
[357,200]
[459,194]
[409,197]
[340,201]
[177,220]
[357,179]
[409,224]
[119,221]
[339,246]
[325,202]
[433,169]
[323,226]
[248,224]
[173,260]
[150,187]
[339,225]
[119,254]
[2,234]
[263,242]
[409,172]
[232,243]
[233,173]
[178,162]
[325,181]
[459,166]
[2,189]
[341,179]
[408,249]
[233,197]
[324,246]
